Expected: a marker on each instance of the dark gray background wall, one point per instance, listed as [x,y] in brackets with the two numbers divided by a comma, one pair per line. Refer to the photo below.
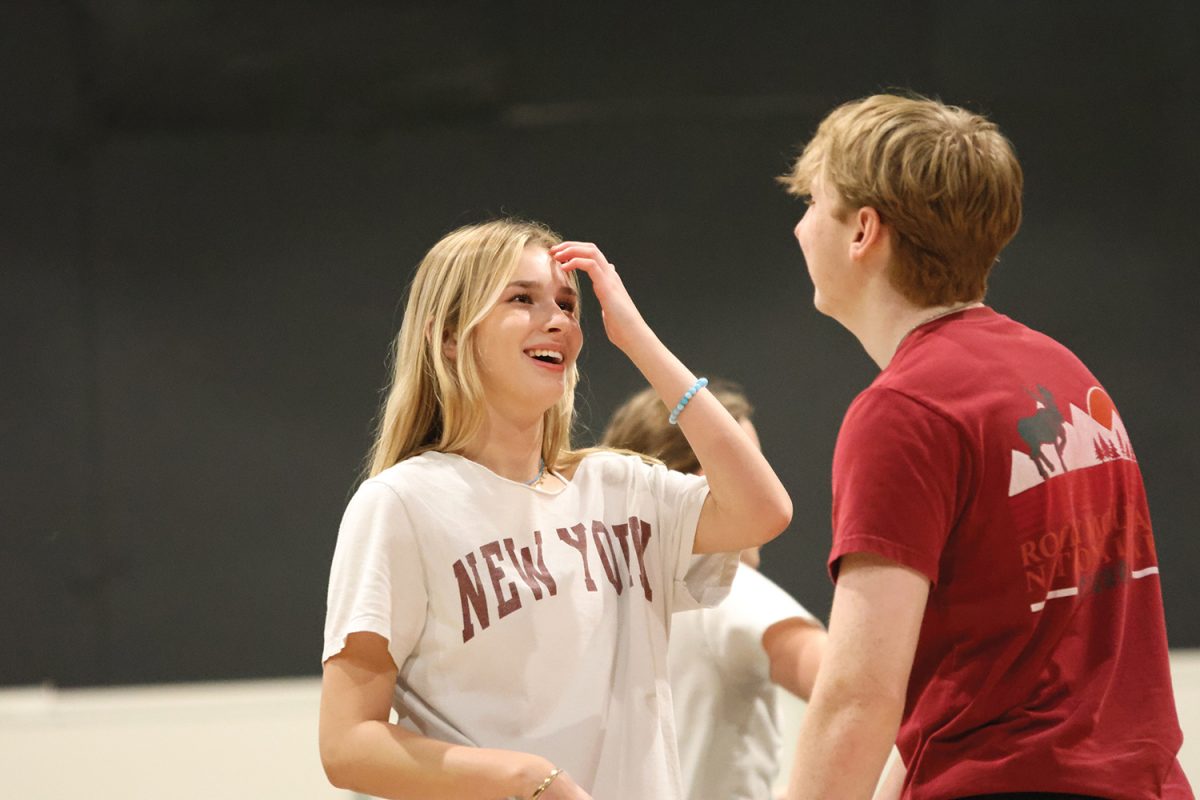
[210,211]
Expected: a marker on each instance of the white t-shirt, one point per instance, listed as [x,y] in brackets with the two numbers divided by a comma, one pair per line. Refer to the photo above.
[530,620]
[726,713]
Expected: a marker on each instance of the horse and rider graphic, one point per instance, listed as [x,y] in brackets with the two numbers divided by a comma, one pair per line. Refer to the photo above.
[1088,434]
[1045,426]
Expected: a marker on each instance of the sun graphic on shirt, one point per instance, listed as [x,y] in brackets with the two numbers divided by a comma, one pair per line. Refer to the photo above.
[1100,406]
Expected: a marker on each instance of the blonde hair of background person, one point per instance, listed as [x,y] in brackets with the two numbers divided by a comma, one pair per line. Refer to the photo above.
[527,685]
[726,661]
[998,677]
[639,426]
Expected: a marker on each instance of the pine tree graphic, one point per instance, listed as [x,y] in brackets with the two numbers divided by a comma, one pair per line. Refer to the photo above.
[1126,450]
[1111,450]
[1101,455]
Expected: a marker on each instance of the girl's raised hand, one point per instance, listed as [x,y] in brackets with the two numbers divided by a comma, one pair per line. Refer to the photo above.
[622,321]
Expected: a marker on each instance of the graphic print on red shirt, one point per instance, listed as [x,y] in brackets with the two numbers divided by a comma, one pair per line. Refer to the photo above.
[1066,550]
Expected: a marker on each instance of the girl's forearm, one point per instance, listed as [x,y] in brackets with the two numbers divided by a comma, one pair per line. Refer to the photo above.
[386,761]
[741,482]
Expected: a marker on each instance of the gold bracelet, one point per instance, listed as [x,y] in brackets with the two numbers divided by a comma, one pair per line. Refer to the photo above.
[545,784]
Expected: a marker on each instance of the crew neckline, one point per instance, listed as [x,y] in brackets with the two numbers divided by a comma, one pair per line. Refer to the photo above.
[966,313]
[520,484]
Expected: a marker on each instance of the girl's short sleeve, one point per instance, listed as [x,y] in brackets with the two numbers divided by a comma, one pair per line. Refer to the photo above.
[697,581]
[377,581]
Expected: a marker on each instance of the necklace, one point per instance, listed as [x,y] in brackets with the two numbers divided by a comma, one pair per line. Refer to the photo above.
[541,473]
[952,310]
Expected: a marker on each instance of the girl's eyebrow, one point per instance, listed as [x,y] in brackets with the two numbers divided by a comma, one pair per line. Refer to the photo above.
[566,289]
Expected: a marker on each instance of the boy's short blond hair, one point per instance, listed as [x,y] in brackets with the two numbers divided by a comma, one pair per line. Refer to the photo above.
[944,180]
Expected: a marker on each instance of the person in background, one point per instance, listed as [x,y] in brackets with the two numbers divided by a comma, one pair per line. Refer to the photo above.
[726,661]
[508,595]
[997,596]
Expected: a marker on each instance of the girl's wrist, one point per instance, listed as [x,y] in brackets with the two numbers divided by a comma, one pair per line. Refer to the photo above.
[502,773]
[528,774]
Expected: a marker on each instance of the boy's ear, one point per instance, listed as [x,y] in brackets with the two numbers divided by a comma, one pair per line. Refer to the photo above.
[870,234]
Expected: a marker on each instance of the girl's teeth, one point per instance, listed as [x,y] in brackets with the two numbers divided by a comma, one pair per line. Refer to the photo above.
[553,355]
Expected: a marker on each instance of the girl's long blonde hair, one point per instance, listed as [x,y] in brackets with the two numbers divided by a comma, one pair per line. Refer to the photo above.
[434,402]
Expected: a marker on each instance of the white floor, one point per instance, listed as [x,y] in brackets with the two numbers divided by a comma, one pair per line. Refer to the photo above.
[253,739]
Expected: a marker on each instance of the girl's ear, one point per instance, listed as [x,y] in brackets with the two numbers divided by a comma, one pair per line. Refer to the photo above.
[449,341]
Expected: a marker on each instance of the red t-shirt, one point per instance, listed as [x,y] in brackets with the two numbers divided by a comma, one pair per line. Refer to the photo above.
[988,458]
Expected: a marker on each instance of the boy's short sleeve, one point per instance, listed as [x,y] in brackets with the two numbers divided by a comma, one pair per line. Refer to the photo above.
[896,473]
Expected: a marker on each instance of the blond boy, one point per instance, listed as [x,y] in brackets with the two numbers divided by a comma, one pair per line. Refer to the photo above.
[997,610]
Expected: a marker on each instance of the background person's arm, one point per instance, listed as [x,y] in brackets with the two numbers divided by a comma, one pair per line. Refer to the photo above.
[795,647]
[892,782]
[363,752]
[852,720]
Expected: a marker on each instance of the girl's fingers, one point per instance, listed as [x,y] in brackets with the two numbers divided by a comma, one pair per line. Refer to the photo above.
[602,278]
[569,250]
[563,245]
[588,265]
[563,258]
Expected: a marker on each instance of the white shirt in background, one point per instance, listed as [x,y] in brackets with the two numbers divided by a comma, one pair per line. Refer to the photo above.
[726,713]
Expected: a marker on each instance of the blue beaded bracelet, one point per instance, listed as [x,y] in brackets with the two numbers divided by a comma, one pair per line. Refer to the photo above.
[687,398]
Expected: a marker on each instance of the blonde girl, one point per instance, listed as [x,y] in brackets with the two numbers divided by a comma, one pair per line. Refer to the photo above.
[507,596]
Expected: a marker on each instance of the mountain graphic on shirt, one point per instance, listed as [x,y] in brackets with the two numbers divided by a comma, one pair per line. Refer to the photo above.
[1059,444]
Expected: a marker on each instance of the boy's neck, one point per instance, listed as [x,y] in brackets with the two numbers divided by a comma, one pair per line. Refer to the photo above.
[882,326]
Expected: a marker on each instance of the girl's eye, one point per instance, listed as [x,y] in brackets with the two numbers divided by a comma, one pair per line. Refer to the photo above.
[567,306]
[522,298]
